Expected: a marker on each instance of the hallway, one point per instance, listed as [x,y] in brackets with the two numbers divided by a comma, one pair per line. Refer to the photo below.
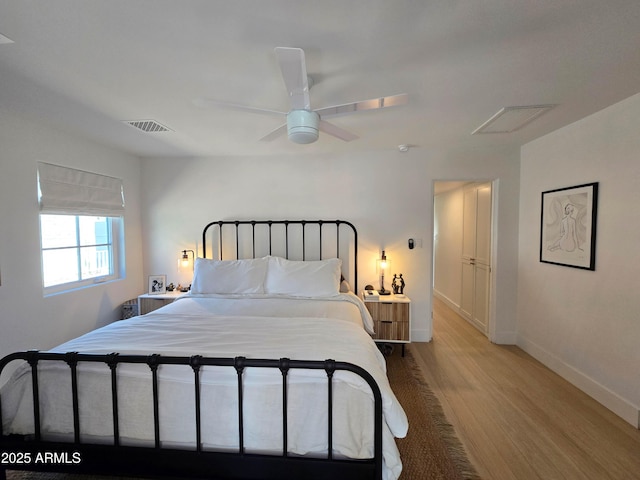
[516,418]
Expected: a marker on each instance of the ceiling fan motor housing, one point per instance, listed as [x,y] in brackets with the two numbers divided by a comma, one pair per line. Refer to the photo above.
[302,126]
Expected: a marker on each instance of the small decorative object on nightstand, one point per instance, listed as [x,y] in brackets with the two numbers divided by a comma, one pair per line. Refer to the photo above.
[157,284]
[150,302]
[391,319]
[397,285]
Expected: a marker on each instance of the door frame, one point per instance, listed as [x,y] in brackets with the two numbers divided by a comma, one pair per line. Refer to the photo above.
[492,318]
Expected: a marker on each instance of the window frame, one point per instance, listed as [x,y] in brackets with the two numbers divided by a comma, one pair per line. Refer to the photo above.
[116,229]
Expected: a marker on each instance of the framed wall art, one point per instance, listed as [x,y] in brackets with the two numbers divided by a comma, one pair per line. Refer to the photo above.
[568,226]
[157,284]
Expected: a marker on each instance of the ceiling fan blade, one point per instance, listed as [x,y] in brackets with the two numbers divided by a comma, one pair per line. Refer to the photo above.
[281,130]
[294,73]
[210,103]
[335,131]
[372,104]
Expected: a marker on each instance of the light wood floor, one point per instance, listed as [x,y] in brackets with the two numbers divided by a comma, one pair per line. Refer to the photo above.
[516,418]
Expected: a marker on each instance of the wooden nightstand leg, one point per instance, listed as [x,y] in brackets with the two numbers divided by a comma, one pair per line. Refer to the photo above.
[403,349]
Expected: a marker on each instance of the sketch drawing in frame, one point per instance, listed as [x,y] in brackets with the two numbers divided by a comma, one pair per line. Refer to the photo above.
[157,284]
[568,226]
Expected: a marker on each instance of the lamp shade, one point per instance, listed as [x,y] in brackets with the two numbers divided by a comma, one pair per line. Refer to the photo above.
[383,263]
[184,262]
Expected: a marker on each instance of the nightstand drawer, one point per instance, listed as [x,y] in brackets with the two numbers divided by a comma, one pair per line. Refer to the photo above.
[391,320]
[392,331]
[148,303]
[389,311]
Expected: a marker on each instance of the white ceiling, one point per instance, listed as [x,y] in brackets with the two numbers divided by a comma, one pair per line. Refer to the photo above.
[87,65]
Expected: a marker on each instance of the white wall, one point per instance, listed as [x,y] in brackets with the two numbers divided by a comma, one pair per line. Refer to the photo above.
[27,319]
[584,324]
[447,278]
[387,195]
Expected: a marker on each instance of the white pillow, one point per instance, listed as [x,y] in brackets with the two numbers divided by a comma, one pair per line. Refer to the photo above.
[229,276]
[319,278]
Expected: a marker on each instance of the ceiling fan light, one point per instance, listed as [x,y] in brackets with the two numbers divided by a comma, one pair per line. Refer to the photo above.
[302,126]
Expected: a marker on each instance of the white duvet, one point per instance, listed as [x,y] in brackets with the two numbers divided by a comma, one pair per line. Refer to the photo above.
[254,326]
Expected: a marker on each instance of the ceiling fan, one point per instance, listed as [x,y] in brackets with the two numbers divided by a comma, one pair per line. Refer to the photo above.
[303,123]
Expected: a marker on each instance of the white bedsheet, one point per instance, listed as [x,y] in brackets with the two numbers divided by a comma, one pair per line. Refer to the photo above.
[225,326]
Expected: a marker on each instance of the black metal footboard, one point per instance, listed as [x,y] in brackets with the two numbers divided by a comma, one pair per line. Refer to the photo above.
[32,452]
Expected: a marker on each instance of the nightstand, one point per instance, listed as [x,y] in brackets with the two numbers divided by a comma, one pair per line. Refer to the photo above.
[148,303]
[391,318]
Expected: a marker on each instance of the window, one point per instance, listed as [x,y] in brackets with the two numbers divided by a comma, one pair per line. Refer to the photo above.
[78,250]
[81,227]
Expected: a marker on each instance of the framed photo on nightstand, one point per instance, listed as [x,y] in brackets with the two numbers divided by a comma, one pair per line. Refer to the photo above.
[157,284]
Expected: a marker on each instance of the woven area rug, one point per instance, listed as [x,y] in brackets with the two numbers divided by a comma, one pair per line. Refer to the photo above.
[430,451]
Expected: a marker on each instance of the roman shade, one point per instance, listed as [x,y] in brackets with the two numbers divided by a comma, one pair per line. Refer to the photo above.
[67,191]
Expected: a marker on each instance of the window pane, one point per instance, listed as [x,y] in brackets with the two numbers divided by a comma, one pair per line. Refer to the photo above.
[78,249]
[95,261]
[94,230]
[58,231]
[60,266]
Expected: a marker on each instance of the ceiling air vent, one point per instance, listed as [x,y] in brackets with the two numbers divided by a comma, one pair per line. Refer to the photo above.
[150,126]
[510,119]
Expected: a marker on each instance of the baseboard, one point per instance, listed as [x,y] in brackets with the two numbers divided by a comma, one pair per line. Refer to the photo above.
[421,335]
[450,303]
[505,338]
[500,338]
[611,400]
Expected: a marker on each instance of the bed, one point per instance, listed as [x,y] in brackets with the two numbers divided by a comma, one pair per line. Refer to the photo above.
[265,370]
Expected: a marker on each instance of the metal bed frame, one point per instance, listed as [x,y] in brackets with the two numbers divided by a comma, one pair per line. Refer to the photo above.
[33,453]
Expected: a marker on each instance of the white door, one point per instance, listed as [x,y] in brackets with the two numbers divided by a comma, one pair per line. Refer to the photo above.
[468,288]
[483,225]
[476,255]
[482,279]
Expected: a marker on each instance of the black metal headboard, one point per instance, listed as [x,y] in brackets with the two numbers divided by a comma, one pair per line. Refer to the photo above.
[291,239]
